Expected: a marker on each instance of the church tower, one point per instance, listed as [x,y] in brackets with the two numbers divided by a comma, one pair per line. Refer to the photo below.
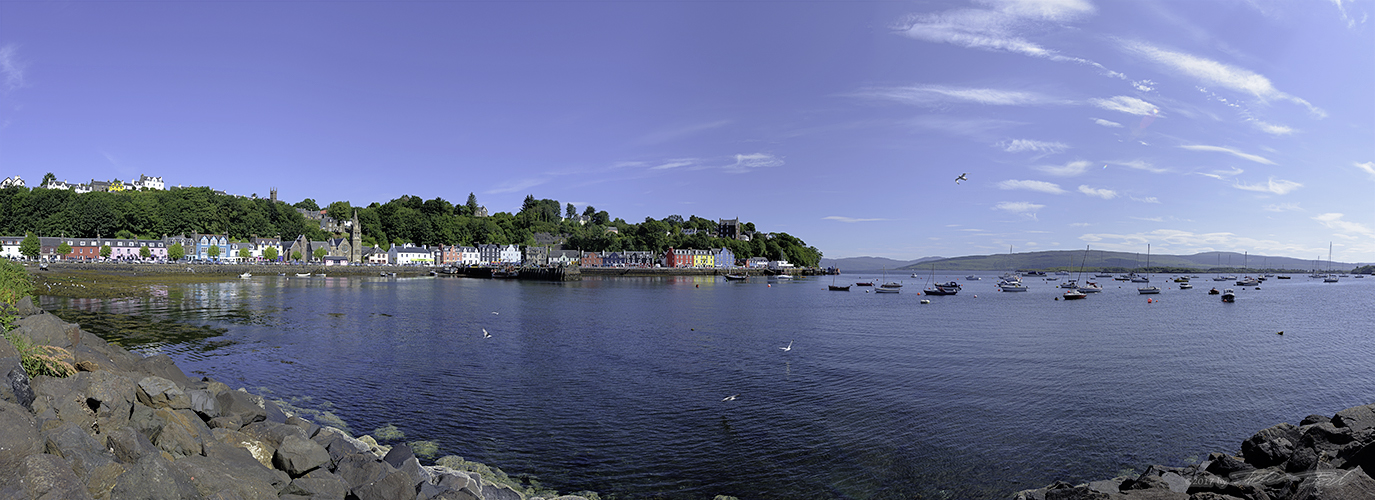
[356,240]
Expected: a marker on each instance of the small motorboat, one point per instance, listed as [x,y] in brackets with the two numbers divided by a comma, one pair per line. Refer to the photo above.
[736,277]
[302,275]
[246,275]
[1091,287]
[1149,290]
[971,278]
[1213,292]
[1185,286]
[1074,294]
[1229,296]
[887,290]
[838,288]
[864,283]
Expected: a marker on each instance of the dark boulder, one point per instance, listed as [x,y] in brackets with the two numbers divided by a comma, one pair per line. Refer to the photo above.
[19,438]
[154,478]
[297,455]
[310,428]
[1271,446]
[1225,465]
[128,445]
[318,485]
[246,464]
[393,486]
[46,329]
[79,449]
[111,396]
[162,366]
[19,387]
[48,477]
[361,469]
[1357,418]
[204,404]
[398,455]
[242,477]
[256,448]
[241,405]
[1313,419]
[158,392]
[1336,485]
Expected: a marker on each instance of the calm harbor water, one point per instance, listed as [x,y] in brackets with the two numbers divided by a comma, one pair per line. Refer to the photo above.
[615,385]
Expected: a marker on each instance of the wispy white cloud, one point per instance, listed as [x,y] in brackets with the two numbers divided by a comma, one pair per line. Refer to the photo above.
[1272,186]
[1125,104]
[1174,241]
[1270,128]
[1334,221]
[745,163]
[1233,152]
[1107,123]
[1221,174]
[927,95]
[850,219]
[1368,167]
[1042,186]
[1067,170]
[670,164]
[1146,199]
[1282,207]
[1106,194]
[11,70]
[1023,145]
[1019,207]
[1000,28]
[1216,73]
[1139,165]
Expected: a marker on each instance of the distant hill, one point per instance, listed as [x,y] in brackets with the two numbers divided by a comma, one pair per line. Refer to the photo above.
[860,264]
[1117,261]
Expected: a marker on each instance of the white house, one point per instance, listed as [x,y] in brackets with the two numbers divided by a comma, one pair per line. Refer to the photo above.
[510,254]
[402,255]
[469,256]
[9,247]
[56,184]
[262,244]
[11,182]
[146,182]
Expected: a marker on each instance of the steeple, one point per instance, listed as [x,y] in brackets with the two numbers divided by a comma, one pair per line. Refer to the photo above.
[356,240]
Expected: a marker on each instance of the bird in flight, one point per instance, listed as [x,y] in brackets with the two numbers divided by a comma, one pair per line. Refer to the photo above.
[730,397]
[486,335]
[789,348]
[962,177]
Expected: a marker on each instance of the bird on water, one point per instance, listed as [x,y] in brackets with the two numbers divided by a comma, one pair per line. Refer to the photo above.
[789,348]
[730,397]
[486,335]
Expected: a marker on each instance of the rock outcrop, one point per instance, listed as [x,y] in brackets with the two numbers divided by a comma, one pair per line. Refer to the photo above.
[129,427]
[1321,458]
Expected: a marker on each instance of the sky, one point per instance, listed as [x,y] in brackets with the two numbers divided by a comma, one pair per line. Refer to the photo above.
[1191,126]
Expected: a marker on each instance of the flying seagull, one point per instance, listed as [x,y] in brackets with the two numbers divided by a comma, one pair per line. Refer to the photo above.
[486,335]
[789,348]
[962,177]
[730,397]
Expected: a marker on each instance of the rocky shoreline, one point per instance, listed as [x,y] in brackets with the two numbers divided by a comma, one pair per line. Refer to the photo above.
[1321,458]
[125,426]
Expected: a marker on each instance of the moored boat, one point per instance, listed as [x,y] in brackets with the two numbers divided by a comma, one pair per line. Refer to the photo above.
[1229,296]
[736,277]
[1185,286]
[1213,291]
[839,288]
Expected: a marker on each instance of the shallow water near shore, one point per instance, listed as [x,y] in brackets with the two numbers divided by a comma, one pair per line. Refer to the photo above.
[615,385]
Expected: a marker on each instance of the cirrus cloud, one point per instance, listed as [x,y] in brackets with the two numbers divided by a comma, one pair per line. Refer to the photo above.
[1124,104]
[1106,194]
[1042,186]
[1067,170]
[1273,186]
[849,220]
[1218,74]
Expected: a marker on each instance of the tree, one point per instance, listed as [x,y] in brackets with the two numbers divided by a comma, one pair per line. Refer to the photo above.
[124,234]
[320,253]
[47,179]
[270,253]
[105,251]
[30,246]
[340,211]
[144,252]
[571,212]
[64,249]
[308,204]
[472,204]
[244,253]
[213,251]
[176,252]
[296,255]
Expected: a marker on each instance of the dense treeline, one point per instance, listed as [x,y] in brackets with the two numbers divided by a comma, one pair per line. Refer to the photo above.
[408,219]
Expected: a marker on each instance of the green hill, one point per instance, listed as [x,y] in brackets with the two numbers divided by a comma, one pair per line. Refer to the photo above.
[1097,260]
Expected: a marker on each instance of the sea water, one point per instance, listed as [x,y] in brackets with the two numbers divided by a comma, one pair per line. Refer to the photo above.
[616,385]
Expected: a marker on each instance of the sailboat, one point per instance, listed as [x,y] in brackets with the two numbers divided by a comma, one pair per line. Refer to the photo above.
[837,288]
[1075,293]
[1148,289]
[1330,278]
[1010,282]
[950,288]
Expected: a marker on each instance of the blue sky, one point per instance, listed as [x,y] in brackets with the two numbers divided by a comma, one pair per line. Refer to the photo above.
[1189,125]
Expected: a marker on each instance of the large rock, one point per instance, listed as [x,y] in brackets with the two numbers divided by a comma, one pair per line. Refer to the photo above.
[162,366]
[318,485]
[246,464]
[44,476]
[154,478]
[79,449]
[111,396]
[241,405]
[19,438]
[204,404]
[361,469]
[46,329]
[260,451]
[393,486]
[297,455]
[158,392]
[1271,446]
[179,433]
[20,389]
[1357,418]
[211,476]
[128,445]
[1336,485]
